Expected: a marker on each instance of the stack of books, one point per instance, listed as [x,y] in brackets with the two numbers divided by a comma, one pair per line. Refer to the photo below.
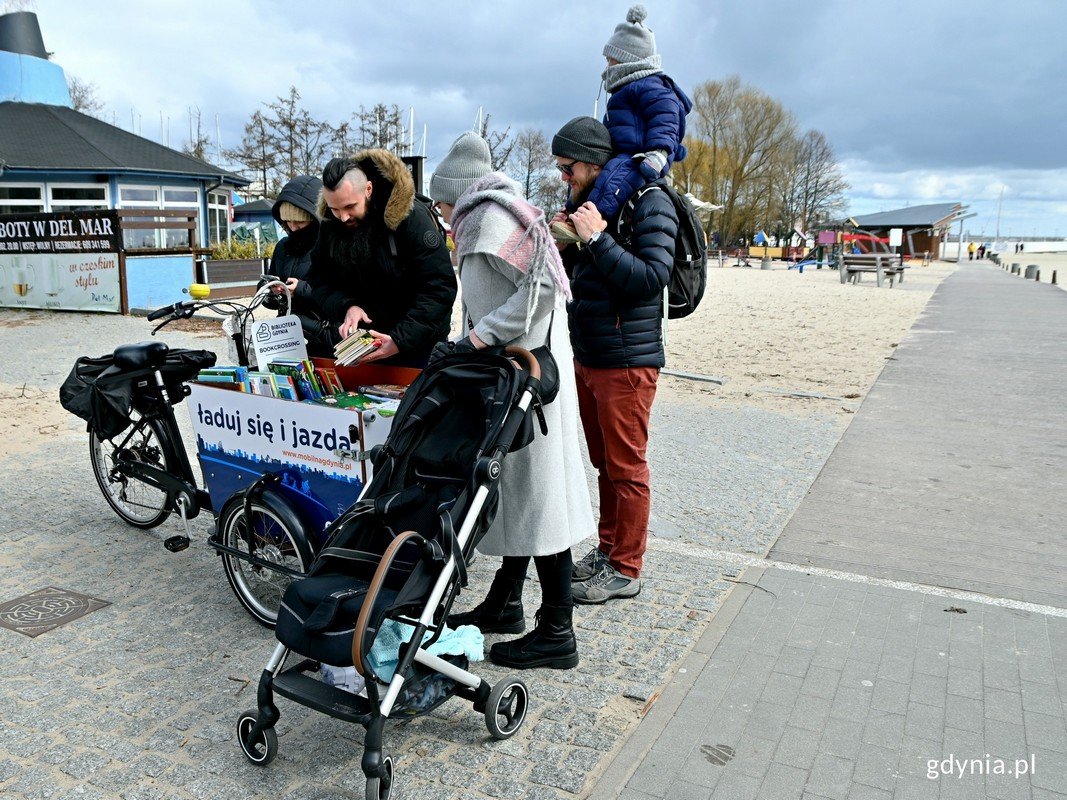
[235,378]
[355,347]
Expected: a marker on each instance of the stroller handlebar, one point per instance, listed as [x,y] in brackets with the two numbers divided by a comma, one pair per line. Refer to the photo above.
[529,359]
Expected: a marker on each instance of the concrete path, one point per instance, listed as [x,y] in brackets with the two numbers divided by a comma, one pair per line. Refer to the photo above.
[816,683]
[953,471]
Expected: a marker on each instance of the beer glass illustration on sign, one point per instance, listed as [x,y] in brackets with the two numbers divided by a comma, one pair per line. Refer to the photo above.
[50,276]
[23,276]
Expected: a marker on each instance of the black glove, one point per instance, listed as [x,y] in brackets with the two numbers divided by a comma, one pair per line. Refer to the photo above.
[442,349]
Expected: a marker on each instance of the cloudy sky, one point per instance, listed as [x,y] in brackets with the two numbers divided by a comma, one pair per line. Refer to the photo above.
[924,101]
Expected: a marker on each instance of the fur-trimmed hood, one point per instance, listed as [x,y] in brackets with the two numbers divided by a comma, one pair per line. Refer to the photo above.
[393,192]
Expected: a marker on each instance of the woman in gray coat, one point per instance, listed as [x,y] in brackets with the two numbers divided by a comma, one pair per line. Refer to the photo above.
[511,277]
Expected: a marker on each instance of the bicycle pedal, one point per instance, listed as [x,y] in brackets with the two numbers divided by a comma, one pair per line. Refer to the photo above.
[176,543]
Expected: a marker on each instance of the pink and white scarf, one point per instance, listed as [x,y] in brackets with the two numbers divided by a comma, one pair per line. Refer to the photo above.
[492,217]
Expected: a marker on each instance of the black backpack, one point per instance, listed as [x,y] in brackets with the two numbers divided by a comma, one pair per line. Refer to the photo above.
[689,276]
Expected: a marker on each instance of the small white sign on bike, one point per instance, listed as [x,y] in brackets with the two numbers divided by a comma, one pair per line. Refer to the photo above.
[278,339]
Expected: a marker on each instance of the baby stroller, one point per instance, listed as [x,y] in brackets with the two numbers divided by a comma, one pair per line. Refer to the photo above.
[399,554]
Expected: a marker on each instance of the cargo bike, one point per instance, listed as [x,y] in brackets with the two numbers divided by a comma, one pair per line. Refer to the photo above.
[271,506]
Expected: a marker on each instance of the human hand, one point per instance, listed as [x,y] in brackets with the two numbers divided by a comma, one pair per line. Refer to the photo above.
[353,320]
[387,348]
[587,221]
[292,283]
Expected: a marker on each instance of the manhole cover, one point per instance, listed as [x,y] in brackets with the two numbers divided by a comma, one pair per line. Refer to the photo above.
[46,609]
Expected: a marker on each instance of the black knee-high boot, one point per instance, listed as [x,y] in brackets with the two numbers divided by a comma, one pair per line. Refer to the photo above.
[552,642]
[501,610]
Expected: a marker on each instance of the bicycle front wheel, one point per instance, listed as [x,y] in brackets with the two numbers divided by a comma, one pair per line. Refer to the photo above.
[271,550]
[137,503]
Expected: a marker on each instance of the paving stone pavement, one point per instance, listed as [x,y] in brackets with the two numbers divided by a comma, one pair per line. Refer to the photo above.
[818,683]
[140,699]
[827,688]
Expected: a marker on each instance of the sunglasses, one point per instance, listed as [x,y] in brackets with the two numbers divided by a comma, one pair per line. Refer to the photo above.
[567,169]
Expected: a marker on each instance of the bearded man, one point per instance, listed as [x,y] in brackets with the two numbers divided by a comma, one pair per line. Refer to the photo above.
[381,262]
[618,268]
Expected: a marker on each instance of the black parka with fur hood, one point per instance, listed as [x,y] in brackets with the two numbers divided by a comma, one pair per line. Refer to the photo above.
[408,296]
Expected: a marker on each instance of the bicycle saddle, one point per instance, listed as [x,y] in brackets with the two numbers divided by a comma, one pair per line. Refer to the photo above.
[143,355]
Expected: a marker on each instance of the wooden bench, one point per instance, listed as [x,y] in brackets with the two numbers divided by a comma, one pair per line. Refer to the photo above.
[883,265]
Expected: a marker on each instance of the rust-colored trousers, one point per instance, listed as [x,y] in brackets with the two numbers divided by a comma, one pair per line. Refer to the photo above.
[615,405]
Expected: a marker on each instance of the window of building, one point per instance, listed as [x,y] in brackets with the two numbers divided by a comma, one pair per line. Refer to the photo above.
[181,199]
[20,198]
[74,197]
[167,197]
[218,217]
[139,196]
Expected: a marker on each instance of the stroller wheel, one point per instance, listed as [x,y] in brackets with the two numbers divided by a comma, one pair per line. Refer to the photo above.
[381,788]
[505,710]
[261,750]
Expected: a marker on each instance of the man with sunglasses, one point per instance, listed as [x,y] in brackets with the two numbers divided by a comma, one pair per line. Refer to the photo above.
[618,269]
[381,262]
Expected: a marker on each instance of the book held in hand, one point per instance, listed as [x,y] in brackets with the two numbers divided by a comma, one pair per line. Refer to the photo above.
[355,347]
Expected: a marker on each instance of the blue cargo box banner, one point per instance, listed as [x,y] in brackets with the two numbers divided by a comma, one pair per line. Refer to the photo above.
[62,260]
[240,437]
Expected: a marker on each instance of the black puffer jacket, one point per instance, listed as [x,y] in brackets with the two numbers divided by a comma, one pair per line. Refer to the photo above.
[292,259]
[616,314]
[292,255]
[408,296]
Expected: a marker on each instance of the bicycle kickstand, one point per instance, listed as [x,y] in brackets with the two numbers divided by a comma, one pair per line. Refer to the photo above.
[178,543]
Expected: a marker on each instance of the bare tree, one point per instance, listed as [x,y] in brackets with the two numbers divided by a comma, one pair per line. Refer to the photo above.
[83,97]
[282,123]
[499,146]
[197,143]
[257,152]
[815,191]
[341,144]
[533,166]
[745,135]
[380,126]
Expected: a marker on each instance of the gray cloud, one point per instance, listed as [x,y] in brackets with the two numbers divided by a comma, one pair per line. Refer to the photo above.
[907,90]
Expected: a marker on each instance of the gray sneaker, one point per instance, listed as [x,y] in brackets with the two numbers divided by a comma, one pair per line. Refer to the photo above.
[605,585]
[589,565]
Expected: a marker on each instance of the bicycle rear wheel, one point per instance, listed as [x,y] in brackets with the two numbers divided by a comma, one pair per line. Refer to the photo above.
[272,537]
[137,503]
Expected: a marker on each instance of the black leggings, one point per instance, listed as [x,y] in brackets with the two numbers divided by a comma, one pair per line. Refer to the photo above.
[554,573]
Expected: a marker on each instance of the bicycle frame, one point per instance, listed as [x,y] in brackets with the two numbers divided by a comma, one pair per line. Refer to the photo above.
[184,496]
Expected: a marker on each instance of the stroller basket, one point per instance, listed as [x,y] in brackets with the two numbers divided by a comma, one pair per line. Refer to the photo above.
[400,553]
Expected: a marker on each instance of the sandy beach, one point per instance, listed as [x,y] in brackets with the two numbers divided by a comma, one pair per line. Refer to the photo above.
[772,333]
[766,333]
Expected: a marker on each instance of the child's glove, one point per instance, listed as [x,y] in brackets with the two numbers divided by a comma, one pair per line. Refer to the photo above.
[652,163]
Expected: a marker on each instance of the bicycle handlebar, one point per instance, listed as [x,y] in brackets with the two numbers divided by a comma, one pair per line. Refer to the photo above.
[167,310]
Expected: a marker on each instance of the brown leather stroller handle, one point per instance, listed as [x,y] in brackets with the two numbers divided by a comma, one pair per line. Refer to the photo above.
[372,597]
[522,354]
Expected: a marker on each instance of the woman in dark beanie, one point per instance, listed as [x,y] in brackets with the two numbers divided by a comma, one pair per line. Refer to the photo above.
[512,277]
[295,211]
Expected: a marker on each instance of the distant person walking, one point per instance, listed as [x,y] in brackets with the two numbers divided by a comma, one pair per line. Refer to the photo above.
[970,251]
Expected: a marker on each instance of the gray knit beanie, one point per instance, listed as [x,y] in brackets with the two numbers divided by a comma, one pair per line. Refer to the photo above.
[467,161]
[583,139]
[632,41]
